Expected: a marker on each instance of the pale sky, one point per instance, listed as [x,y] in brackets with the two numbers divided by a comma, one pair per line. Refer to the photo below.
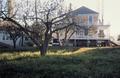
[111,11]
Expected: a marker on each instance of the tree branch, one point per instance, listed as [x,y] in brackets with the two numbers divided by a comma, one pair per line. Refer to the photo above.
[58,17]
[62,28]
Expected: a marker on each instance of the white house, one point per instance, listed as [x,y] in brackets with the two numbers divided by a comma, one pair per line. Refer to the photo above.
[7,41]
[93,31]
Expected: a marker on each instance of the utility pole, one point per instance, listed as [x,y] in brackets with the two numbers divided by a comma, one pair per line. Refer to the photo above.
[10,7]
[36,15]
[102,11]
[0,6]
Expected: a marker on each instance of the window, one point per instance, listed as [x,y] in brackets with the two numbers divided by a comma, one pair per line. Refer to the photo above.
[3,37]
[55,41]
[1,32]
[8,38]
[95,19]
[80,20]
[85,19]
[90,20]
[77,19]
[26,39]
[80,32]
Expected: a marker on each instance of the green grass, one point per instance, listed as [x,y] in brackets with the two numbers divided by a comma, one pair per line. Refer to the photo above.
[62,63]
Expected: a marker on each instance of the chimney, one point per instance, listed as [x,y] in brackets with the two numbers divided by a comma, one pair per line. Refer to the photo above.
[10,7]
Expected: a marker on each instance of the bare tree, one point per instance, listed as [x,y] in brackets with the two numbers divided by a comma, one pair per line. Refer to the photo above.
[14,33]
[40,21]
[67,32]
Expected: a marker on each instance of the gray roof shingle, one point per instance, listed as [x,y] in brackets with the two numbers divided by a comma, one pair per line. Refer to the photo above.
[83,10]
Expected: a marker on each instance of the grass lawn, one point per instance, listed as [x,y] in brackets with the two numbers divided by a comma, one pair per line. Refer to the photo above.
[62,63]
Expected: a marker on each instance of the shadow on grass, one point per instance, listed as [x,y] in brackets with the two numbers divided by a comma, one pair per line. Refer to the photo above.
[33,49]
[2,50]
[94,63]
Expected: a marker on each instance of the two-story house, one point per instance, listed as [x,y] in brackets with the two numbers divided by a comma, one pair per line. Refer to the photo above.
[90,31]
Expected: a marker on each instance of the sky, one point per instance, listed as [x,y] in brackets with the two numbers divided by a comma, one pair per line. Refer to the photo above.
[111,12]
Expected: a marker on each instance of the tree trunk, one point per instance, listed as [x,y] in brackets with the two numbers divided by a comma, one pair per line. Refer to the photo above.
[43,51]
[14,44]
[45,44]
[44,48]
[22,40]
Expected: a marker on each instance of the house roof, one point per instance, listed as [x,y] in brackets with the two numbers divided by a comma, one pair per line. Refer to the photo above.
[84,10]
[4,24]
